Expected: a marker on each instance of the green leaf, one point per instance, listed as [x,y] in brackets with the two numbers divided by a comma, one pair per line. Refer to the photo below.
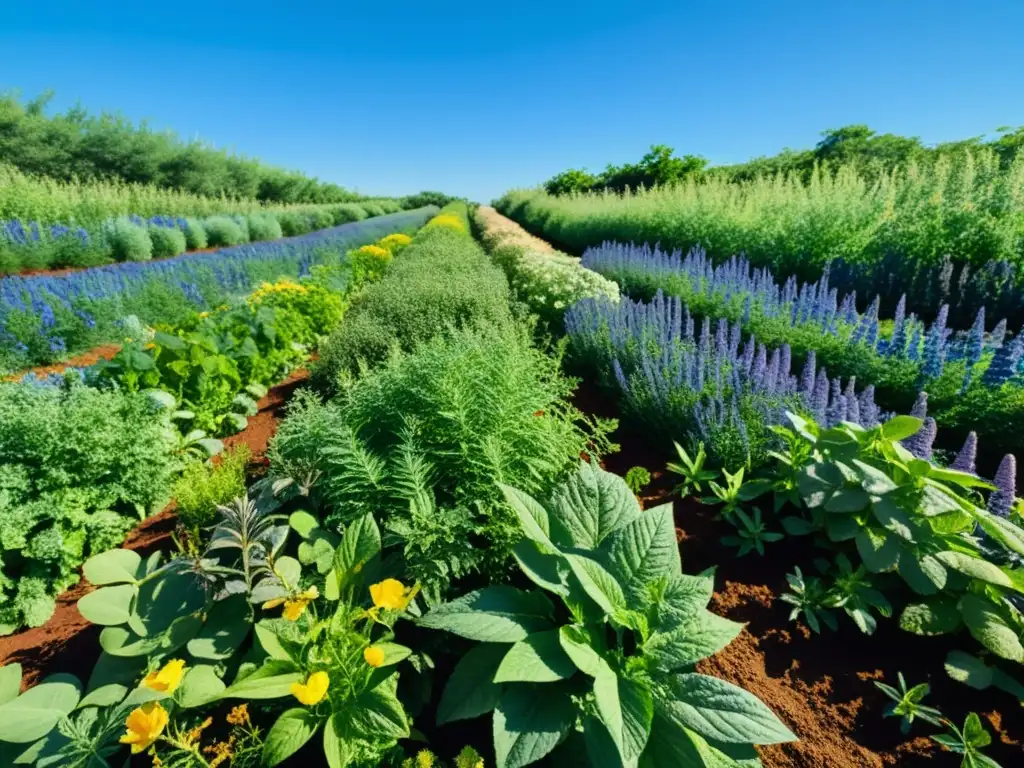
[842,527]
[374,714]
[116,566]
[873,480]
[303,523]
[609,708]
[900,427]
[975,733]
[270,642]
[644,550]
[35,712]
[271,681]
[200,685]
[637,714]
[529,722]
[925,574]
[393,653]
[975,568]
[673,745]
[499,614]
[684,597]
[336,749]
[969,670]
[880,551]
[104,696]
[702,635]
[289,570]
[847,500]
[936,616]
[288,734]
[989,628]
[589,506]
[108,606]
[935,502]
[599,585]
[471,690]
[118,641]
[576,644]
[532,516]
[10,682]
[359,545]
[547,571]
[538,658]
[1003,531]
[893,518]
[964,480]
[227,625]
[720,711]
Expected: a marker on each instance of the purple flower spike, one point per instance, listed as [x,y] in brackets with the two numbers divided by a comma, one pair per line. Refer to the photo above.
[1000,502]
[968,454]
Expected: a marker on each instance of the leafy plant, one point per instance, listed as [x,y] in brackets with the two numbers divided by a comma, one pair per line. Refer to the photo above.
[750,533]
[617,650]
[811,598]
[203,487]
[907,704]
[691,469]
[968,742]
[637,478]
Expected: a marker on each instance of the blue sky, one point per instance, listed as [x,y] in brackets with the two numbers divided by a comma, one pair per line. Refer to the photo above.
[472,99]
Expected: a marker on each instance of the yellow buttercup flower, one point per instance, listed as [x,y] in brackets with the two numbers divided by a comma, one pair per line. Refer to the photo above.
[144,725]
[295,606]
[166,679]
[374,250]
[373,656]
[313,690]
[392,594]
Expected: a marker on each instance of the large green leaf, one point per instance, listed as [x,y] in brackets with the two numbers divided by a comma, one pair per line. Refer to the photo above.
[538,658]
[893,518]
[719,711]
[496,614]
[989,628]
[1005,532]
[626,708]
[589,506]
[288,734]
[673,745]
[271,681]
[337,748]
[116,566]
[199,686]
[609,708]
[374,714]
[471,690]
[975,567]
[35,712]
[700,636]
[578,648]
[532,516]
[108,606]
[900,427]
[530,721]
[547,571]
[360,544]
[683,597]
[10,682]
[118,641]
[644,550]
[879,550]
[924,574]
[227,625]
[597,582]
[935,616]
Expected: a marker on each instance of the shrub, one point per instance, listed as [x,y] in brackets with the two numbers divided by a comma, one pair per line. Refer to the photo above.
[263,226]
[320,219]
[223,231]
[167,242]
[395,243]
[442,281]
[439,426]
[195,234]
[76,465]
[350,212]
[293,224]
[320,308]
[373,209]
[369,262]
[204,486]
[128,241]
[243,226]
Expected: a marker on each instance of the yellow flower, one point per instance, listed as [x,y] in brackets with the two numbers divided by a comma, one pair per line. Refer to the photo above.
[313,690]
[392,594]
[239,715]
[204,315]
[373,656]
[396,240]
[144,725]
[374,250]
[424,759]
[167,679]
[295,606]
[448,221]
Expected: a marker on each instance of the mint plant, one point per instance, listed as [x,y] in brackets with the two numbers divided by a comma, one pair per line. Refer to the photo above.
[811,598]
[751,534]
[602,656]
[907,704]
[691,469]
[968,742]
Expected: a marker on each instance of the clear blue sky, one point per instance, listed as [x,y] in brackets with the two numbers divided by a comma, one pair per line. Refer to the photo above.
[475,98]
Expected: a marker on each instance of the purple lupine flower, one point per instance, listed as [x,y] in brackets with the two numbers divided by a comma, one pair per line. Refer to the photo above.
[964,461]
[1004,363]
[1000,501]
[920,409]
[920,443]
[998,334]
[935,346]
[869,415]
[819,400]
[807,375]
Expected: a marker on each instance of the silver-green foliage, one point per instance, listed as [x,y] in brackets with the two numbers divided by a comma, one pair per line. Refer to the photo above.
[167,241]
[127,241]
[223,231]
[611,641]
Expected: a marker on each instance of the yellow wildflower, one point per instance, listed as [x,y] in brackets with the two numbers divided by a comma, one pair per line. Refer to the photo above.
[192,736]
[373,656]
[397,240]
[144,725]
[424,759]
[295,606]
[166,679]
[313,690]
[203,315]
[221,751]
[150,345]
[447,221]
[374,250]
[392,594]
[239,715]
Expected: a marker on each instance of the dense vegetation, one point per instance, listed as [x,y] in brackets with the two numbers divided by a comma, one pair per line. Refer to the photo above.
[108,147]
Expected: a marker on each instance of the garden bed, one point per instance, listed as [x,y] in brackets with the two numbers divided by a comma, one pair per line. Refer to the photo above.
[67,642]
[819,684]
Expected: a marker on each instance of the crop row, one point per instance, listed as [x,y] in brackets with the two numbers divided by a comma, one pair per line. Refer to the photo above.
[426,549]
[45,317]
[972,378]
[950,232]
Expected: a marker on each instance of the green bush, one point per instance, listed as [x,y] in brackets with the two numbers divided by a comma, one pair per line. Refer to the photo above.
[195,235]
[263,226]
[438,427]
[128,241]
[243,226]
[320,219]
[76,467]
[292,223]
[443,280]
[373,209]
[203,486]
[167,242]
[223,231]
[351,212]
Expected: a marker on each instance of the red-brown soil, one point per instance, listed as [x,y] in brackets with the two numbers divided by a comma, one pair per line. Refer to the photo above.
[69,643]
[83,360]
[819,685]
